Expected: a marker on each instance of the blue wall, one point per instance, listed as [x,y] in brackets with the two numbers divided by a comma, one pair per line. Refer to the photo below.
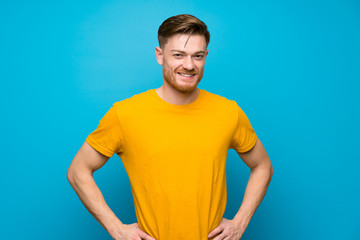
[293,66]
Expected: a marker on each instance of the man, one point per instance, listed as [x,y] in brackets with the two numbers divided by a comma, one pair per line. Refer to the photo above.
[173,142]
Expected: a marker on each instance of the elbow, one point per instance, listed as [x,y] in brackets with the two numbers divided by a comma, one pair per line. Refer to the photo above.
[271,170]
[77,175]
[73,175]
[265,169]
[70,175]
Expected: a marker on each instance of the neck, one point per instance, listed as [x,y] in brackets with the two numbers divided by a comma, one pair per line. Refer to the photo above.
[174,96]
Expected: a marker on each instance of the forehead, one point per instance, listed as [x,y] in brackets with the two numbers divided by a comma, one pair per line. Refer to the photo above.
[186,42]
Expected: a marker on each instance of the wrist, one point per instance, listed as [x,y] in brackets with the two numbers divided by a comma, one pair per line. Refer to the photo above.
[242,219]
[112,225]
[115,229]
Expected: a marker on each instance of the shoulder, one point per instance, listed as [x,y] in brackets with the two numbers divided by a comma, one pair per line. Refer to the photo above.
[135,101]
[218,100]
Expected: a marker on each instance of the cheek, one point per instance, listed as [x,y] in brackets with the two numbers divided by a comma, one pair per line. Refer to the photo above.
[173,63]
[200,66]
[168,64]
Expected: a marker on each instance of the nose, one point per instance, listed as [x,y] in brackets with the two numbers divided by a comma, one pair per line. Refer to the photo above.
[188,63]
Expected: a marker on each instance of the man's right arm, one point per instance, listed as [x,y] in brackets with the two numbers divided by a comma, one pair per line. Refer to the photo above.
[80,176]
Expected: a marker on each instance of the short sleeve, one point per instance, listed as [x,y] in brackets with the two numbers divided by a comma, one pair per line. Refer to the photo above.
[107,138]
[244,137]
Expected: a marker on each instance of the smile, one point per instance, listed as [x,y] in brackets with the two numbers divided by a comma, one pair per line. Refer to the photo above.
[186,75]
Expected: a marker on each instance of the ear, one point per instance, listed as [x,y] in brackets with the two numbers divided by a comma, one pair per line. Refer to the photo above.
[159,55]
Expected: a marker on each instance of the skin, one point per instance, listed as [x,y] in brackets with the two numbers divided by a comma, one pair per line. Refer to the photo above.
[261,172]
[182,54]
[80,176]
[183,60]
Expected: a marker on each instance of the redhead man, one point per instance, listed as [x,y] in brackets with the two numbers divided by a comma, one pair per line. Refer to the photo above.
[173,142]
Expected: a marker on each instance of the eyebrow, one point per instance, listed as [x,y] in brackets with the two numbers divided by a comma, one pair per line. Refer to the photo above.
[180,51]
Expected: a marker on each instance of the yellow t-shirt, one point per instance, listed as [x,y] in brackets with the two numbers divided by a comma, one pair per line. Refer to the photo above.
[175,157]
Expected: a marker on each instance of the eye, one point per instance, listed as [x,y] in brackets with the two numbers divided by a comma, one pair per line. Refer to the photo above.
[199,57]
[177,55]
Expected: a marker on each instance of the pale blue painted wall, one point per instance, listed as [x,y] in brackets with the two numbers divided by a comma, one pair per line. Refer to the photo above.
[293,66]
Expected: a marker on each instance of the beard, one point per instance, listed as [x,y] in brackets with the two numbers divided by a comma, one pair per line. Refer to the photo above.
[170,77]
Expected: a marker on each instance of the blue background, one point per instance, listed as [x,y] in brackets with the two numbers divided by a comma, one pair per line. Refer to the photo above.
[293,66]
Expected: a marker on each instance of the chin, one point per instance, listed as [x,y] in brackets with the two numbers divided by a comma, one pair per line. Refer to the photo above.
[186,88]
[182,86]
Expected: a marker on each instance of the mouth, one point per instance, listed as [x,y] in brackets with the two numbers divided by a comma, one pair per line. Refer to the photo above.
[186,75]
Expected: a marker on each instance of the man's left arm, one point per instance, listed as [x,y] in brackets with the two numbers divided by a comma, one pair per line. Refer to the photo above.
[261,172]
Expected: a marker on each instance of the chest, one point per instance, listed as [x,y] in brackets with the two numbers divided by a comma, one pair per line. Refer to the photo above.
[156,132]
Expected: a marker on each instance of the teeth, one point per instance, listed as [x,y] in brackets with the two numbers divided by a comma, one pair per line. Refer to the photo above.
[186,75]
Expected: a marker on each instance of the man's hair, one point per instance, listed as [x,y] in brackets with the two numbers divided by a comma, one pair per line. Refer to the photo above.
[182,24]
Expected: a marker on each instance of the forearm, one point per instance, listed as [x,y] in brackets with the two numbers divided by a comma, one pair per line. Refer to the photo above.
[92,198]
[257,185]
